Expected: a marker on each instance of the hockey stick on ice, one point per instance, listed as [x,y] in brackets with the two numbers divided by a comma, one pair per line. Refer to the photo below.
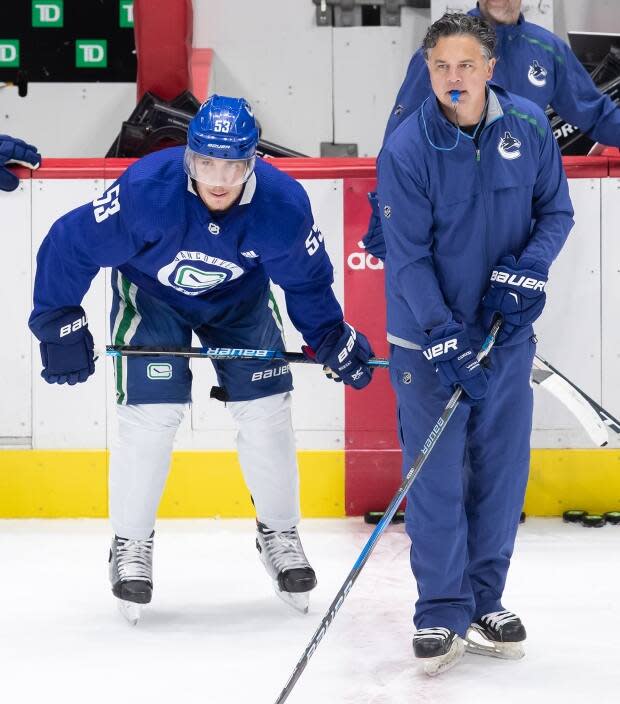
[344,590]
[222,353]
[594,418]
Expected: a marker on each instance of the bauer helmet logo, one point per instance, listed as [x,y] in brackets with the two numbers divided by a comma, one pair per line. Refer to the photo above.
[387,211]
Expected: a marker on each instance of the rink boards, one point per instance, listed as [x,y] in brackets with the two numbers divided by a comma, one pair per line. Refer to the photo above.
[54,438]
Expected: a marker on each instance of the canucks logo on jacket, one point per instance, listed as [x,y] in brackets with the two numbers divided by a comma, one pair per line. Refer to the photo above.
[508,146]
[537,74]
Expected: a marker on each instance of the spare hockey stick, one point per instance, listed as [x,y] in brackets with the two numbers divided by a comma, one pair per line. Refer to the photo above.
[413,472]
[594,418]
[222,353]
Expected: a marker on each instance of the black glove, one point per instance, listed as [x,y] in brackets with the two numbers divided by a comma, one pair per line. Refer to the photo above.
[15,151]
[517,293]
[455,361]
[373,240]
[66,345]
[345,351]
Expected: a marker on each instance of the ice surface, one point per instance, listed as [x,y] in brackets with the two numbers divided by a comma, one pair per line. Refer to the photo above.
[216,632]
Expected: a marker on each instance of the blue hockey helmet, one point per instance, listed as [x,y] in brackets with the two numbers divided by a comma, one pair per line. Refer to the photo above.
[224,129]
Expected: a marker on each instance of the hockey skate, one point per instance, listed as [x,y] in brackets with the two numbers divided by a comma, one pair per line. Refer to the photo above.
[438,648]
[131,575]
[286,563]
[499,634]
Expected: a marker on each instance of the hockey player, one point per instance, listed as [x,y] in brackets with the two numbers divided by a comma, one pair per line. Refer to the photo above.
[193,236]
[532,62]
[15,151]
[475,208]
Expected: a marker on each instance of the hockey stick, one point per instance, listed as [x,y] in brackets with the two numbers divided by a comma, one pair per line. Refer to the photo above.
[594,418]
[222,353]
[413,472]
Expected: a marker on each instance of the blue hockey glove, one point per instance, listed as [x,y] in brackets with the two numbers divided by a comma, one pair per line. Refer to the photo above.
[517,293]
[346,351]
[373,240]
[15,151]
[66,345]
[455,361]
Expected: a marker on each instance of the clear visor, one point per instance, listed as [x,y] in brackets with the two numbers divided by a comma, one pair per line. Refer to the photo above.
[218,172]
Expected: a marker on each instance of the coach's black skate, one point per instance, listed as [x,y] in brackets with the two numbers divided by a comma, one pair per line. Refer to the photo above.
[287,565]
[131,575]
[439,648]
[499,634]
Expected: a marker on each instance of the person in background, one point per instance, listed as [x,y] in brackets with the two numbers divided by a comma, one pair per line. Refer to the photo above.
[531,62]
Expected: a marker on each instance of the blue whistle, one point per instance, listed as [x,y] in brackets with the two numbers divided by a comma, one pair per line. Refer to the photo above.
[454,95]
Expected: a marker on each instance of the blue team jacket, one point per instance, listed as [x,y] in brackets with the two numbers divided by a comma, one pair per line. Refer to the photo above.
[449,216]
[536,64]
[152,226]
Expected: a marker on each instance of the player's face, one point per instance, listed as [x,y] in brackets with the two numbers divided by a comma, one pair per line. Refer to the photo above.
[500,11]
[218,198]
[221,172]
[457,63]
[219,181]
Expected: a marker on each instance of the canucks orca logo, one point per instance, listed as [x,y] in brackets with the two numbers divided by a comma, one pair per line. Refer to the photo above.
[193,273]
[508,146]
[537,75]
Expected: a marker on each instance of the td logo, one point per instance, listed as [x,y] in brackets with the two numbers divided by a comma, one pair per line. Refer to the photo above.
[47,13]
[9,53]
[91,53]
[125,13]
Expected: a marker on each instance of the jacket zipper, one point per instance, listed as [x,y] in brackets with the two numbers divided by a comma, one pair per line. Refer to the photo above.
[484,199]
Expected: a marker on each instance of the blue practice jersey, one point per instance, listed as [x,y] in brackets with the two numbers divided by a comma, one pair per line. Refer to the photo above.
[155,229]
[449,216]
[536,64]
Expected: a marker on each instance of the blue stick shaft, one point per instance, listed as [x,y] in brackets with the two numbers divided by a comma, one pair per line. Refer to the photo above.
[221,353]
